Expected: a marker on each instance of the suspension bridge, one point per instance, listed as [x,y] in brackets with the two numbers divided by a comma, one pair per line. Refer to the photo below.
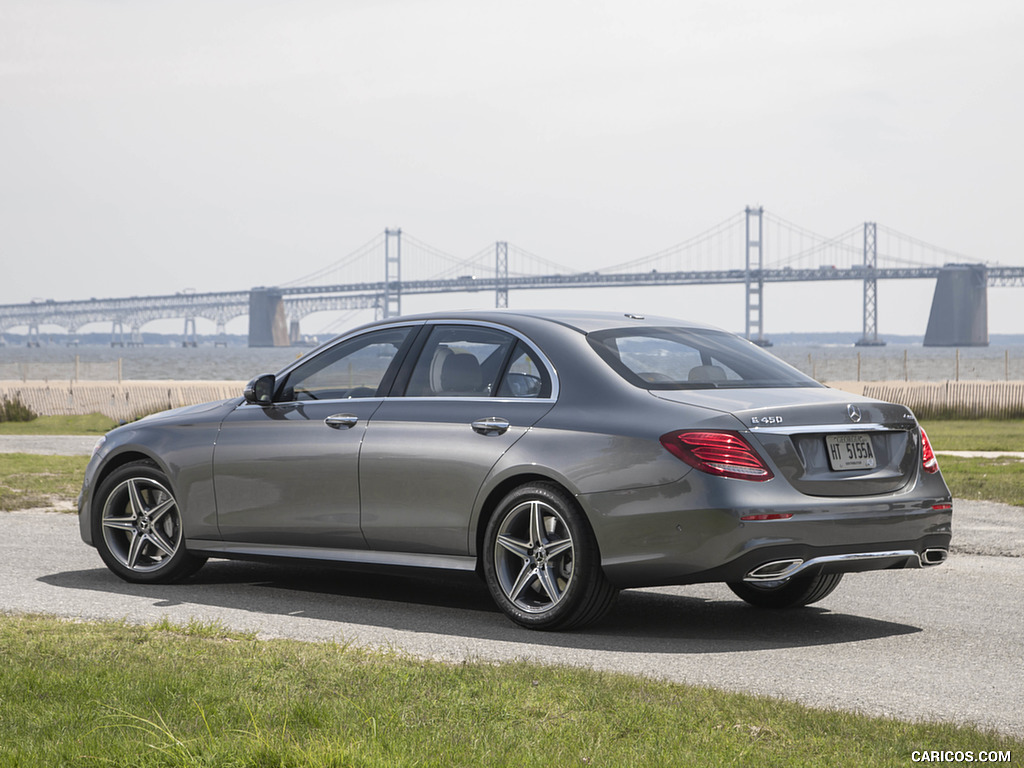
[752,247]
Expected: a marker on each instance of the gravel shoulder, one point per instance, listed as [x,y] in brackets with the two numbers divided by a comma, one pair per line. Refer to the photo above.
[987,528]
[52,445]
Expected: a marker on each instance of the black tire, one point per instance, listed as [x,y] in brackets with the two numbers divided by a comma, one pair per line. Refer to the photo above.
[541,561]
[791,593]
[137,527]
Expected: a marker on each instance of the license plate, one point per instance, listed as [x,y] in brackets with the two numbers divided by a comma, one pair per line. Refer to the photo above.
[849,452]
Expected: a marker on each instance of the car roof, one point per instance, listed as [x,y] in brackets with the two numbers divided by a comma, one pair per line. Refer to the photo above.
[584,321]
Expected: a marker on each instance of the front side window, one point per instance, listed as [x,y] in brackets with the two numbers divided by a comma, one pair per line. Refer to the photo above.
[692,358]
[352,368]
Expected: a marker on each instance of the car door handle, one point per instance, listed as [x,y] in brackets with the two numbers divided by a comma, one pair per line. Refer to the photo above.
[492,425]
[342,420]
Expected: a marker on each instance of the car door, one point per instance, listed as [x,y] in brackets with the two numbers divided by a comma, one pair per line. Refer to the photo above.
[286,472]
[473,391]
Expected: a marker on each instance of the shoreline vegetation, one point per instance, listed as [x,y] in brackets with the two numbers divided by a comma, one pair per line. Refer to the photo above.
[999,478]
[128,400]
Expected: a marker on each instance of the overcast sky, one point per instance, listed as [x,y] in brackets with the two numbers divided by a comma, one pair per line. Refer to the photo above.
[152,147]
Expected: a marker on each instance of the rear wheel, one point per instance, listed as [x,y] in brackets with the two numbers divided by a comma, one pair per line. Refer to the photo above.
[137,526]
[541,561]
[791,593]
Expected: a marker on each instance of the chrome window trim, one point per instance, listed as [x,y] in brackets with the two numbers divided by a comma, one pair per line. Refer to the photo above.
[418,399]
[450,399]
[552,372]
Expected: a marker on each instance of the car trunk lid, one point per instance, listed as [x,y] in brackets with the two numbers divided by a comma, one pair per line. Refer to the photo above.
[823,441]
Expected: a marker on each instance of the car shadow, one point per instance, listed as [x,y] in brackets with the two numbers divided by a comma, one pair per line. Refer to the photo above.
[458,604]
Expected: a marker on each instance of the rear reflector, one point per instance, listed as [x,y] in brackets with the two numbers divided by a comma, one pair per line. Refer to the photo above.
[725,453]
[928,461]
[941,507]
[772,516]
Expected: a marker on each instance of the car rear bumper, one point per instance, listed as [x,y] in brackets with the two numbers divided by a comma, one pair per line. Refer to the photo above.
[652,536]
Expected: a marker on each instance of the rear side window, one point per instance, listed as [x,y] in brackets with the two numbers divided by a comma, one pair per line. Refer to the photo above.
[525,376]
[460,361]
[692,358]
[476,361]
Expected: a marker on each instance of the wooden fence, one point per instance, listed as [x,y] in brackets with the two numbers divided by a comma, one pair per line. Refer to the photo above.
[947,399]
[131,399]
[120,401]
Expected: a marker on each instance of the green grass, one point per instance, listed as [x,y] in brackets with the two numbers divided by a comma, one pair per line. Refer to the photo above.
[111,694]
[28,481]
[999,480]
[89,424]
[976,434]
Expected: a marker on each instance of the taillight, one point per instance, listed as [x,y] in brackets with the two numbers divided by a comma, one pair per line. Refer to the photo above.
[928,461]
[724,453]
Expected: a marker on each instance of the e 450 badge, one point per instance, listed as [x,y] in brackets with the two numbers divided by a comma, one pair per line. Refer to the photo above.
[765,419]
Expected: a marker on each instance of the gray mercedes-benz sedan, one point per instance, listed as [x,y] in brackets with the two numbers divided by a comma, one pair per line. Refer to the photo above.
[562,455]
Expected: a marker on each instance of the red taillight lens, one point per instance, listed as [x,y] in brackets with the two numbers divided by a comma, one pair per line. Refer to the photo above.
[928,461]
[723,453]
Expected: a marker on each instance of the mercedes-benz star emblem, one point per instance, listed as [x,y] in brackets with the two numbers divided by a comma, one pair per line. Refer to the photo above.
[854,413]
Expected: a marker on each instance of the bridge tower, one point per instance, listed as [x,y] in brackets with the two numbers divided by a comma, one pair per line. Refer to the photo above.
[501,275]
[755,283]
[870,337]
[392,305]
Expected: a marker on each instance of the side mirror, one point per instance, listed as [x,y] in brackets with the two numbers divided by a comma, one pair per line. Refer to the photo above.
[260,391]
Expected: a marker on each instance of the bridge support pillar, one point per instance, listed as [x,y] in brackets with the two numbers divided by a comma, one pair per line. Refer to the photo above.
[266,318]
[190,333]
[959,316]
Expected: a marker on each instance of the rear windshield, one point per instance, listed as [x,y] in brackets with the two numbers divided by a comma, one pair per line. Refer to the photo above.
[692,358]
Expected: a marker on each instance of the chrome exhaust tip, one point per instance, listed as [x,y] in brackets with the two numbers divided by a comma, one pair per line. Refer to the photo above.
[775,570]
[934,556]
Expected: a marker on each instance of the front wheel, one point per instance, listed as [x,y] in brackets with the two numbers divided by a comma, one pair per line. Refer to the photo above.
[791,593]
[541,561]
[137,526]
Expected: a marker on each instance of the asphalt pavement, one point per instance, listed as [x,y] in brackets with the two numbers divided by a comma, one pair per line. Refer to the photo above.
[942,643]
